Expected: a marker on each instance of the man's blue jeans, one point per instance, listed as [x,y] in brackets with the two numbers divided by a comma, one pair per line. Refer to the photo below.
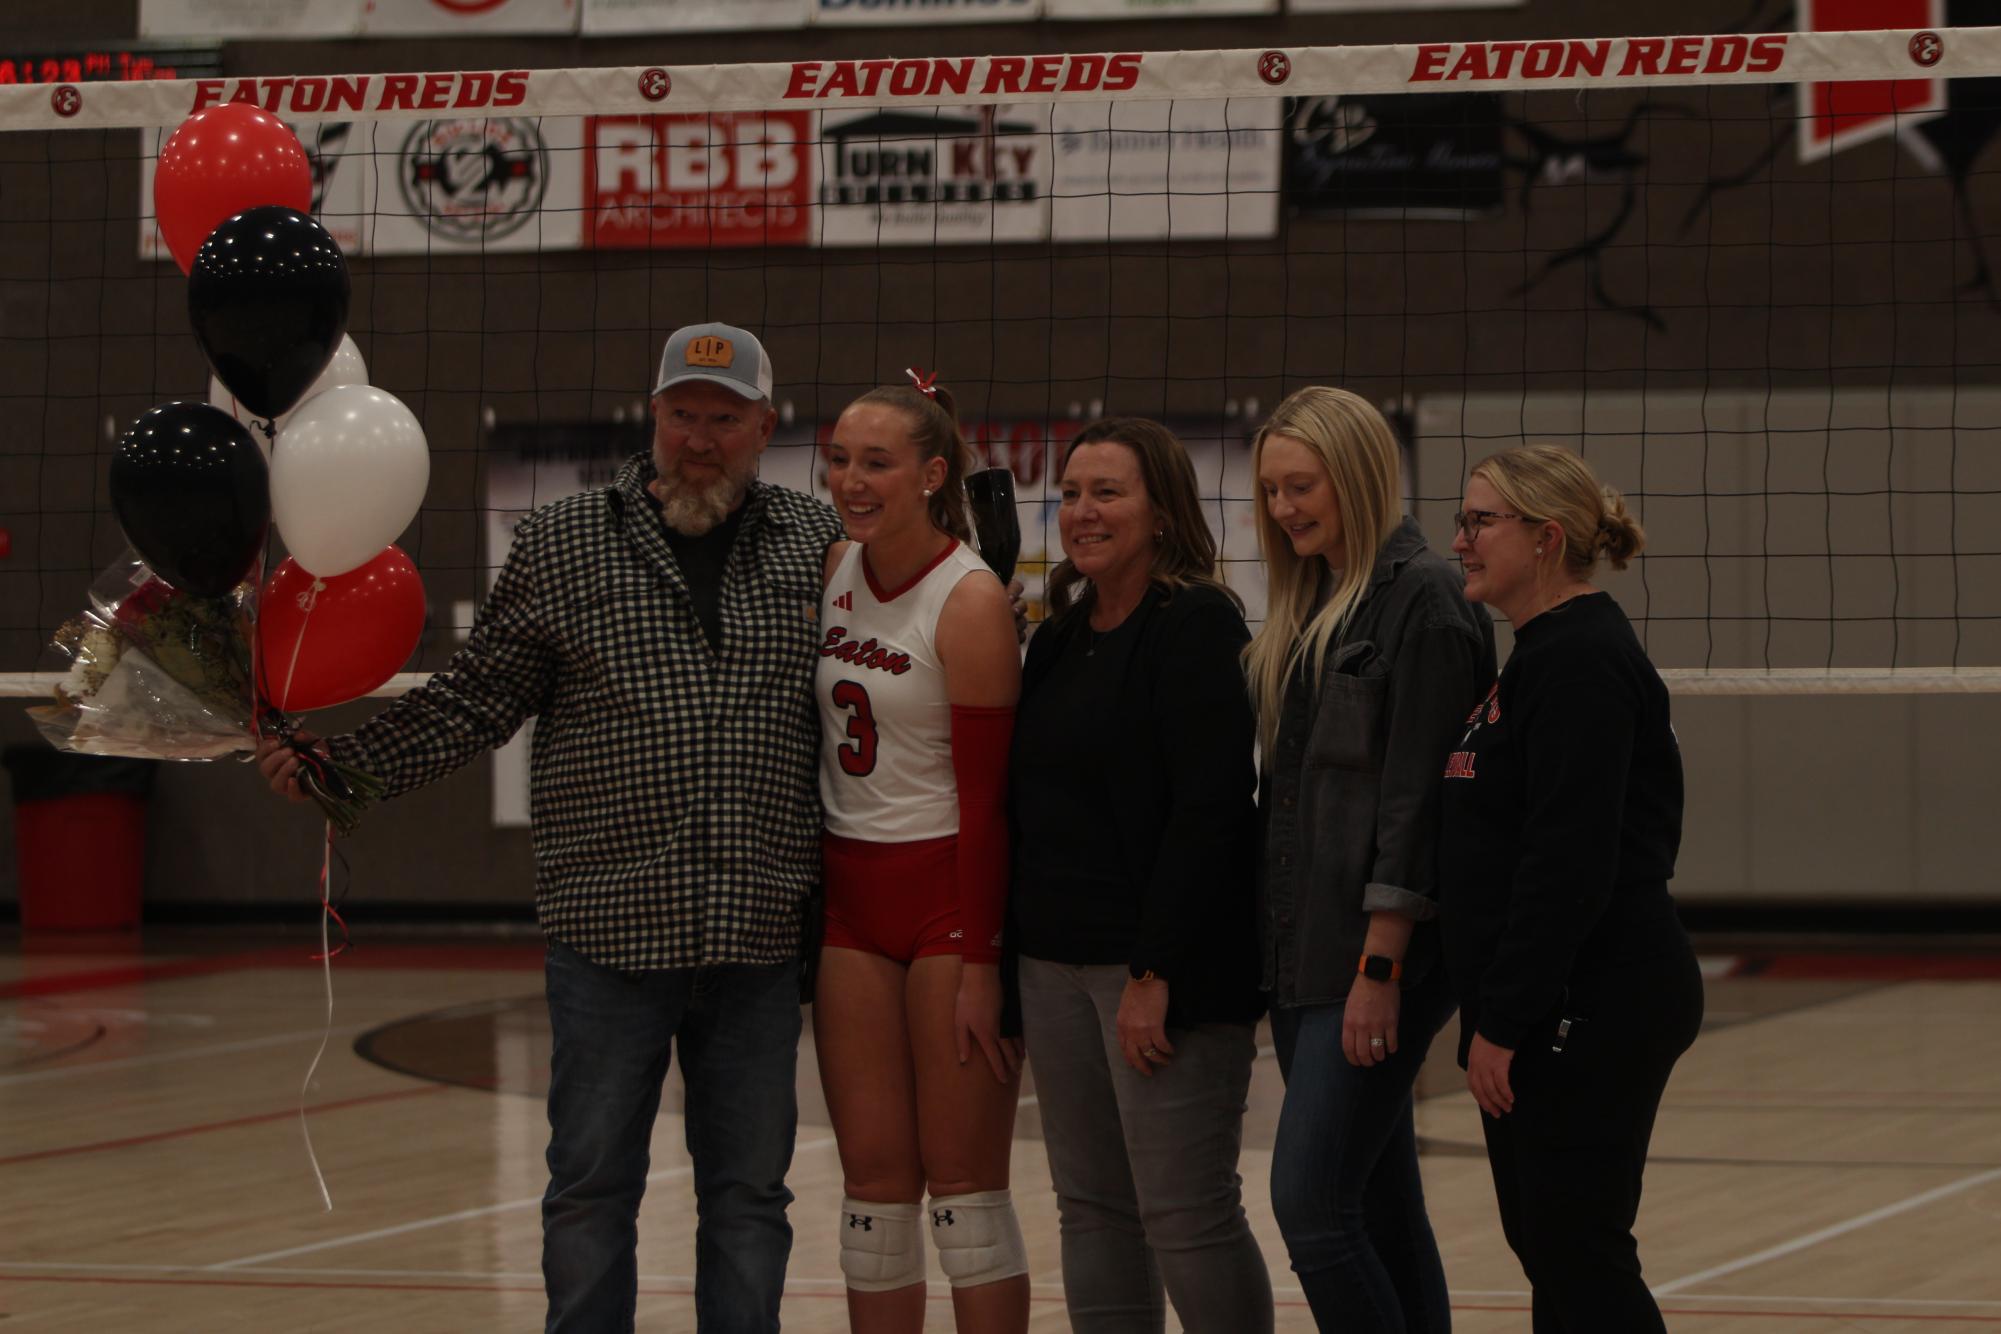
[1344,1177]
[738,1030]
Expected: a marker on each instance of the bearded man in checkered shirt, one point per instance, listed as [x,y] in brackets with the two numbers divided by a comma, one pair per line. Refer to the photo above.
[661,632]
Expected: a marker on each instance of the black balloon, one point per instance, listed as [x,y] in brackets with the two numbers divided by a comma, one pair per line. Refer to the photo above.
[995,522]
[268,298]
[191,490]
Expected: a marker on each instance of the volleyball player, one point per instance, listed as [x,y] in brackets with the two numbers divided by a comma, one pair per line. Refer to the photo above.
[917,681]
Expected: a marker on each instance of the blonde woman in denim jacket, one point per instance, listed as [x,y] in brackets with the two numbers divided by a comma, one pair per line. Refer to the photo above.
[1362,674]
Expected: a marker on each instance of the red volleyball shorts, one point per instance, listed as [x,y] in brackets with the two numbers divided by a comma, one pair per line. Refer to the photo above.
[892,899]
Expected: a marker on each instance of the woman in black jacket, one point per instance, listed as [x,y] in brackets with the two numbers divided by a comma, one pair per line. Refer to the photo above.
[1578,988]
[1368,658]
[1131,788]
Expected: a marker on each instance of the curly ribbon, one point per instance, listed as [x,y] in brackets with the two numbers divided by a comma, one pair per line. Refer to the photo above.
[325,959]
[927,385]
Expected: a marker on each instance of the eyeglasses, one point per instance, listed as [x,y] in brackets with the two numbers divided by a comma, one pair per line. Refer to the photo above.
[1472,522]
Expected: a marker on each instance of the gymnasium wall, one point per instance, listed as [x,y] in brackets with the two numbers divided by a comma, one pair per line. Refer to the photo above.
[1709,310]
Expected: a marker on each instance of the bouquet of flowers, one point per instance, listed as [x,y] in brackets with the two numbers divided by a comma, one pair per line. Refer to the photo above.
[163,674]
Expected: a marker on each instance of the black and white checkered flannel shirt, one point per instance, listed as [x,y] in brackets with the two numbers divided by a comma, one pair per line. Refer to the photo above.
[673,788]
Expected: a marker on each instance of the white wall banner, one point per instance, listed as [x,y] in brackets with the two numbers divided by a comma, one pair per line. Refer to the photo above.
[480,184]
[934,176]
[449,18]
[671,16]
[1149,170]
[249,18]
[1152,9]
[924,13]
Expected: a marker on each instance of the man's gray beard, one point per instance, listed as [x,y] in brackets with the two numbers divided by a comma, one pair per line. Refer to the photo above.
[694,511]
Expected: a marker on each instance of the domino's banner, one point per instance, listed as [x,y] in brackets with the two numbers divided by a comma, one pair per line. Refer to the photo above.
[923,13]
[1152,9]
[658,16]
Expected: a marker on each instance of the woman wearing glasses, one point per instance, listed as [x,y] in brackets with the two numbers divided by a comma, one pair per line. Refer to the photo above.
[1577,986]
[1367,662]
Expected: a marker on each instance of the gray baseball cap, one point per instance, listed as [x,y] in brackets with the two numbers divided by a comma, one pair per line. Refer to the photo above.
[720,354]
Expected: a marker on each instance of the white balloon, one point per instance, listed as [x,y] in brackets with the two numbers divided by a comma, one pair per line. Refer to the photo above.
[347,477]
[347,367]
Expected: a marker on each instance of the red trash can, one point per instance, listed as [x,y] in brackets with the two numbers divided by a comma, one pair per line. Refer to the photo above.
[79,838]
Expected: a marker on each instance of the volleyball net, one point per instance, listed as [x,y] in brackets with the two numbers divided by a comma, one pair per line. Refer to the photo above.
[1747,276]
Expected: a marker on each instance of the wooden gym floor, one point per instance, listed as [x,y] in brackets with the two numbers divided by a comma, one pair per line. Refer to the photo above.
[1828,1157]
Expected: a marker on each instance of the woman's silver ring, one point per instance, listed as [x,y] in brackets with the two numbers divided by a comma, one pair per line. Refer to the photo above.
[1151,1053]
[1375,1042]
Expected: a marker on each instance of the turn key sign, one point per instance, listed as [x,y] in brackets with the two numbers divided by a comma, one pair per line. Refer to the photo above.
[721,179]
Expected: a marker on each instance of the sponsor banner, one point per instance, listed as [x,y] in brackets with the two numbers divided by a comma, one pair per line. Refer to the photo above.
[936,176]
[218,19]
[1834,116]
[449,18]
[480,184]
[1155,9]
[1395,156]
[342,155]
[923,13]
[733,178]
[1148,170]
[667,16]
[1629,62]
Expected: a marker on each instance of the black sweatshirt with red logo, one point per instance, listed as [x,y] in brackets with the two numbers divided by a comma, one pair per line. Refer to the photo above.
[1561,820]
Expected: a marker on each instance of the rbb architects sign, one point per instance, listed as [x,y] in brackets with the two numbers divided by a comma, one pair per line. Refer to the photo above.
[720,179]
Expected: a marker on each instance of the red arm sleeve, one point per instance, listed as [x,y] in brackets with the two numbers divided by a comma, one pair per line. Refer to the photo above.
[980,740]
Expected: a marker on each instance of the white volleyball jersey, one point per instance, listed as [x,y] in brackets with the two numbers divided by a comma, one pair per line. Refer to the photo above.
[885,719]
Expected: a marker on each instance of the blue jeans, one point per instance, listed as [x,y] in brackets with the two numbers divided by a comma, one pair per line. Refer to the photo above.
[1344,1177]
[738,1028]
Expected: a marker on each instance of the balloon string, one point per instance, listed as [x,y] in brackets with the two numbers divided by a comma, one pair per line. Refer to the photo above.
[307,601]
[325,958]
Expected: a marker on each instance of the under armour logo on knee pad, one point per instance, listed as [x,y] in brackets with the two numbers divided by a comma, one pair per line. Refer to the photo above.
[866,1222]
[941,1218]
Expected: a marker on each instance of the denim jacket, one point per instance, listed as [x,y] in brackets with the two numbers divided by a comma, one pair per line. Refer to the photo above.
[1349,796]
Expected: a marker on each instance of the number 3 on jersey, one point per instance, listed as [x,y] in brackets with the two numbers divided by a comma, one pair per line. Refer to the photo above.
[857,759]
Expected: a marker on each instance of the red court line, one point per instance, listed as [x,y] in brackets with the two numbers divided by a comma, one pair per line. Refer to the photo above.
[1872,967]
[454,958]
[234,1123]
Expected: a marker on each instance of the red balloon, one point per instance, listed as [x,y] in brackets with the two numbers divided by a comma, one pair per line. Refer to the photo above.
[220,162]
[327,641]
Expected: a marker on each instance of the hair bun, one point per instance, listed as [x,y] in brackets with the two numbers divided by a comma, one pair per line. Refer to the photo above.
[1620,537]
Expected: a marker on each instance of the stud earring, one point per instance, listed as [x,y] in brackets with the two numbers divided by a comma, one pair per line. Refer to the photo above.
[927,493]
[1538,550]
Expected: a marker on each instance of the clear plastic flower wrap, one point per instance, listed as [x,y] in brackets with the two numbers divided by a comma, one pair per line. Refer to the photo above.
[160,674]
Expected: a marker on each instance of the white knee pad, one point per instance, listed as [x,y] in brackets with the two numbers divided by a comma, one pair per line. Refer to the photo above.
[979,1238]
[881,1248]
